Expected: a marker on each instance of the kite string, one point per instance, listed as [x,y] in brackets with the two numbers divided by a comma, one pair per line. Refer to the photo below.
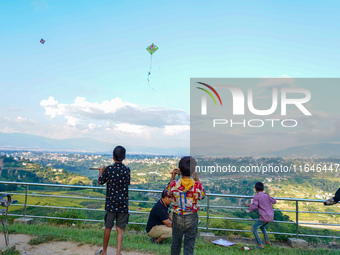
[149,74]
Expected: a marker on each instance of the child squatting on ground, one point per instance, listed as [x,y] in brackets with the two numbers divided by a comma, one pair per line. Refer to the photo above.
[117,179]
[186,192]
[263,203]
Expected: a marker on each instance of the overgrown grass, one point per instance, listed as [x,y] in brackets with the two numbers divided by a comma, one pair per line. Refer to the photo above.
[141,242]
[42,238]
[11,253]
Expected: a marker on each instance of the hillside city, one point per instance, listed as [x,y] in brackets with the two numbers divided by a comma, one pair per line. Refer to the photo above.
[153,173]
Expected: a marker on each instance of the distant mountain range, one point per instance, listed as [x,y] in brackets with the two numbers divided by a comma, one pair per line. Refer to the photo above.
[320,150]
[39,143]
[32,142]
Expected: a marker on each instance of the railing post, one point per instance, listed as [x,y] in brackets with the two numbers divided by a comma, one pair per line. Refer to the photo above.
[25,200]
[208,208]
[297,219]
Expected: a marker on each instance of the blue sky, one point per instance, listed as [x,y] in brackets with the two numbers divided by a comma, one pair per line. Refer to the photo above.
[95,51]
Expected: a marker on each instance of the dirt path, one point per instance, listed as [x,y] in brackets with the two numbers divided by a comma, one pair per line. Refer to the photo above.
[65,248]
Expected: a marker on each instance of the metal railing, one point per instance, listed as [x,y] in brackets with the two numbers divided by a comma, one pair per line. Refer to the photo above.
[207,205]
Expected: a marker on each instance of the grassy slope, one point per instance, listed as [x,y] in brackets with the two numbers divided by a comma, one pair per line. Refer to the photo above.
[72,202]
[140,242]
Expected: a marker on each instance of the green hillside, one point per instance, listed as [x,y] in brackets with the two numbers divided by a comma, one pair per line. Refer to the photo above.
[23,170]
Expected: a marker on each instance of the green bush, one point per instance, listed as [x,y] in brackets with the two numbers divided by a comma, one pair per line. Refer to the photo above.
[74,214]
[15,252]
[228,224]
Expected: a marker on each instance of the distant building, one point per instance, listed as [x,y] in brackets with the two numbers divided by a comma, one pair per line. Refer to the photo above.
[154,173]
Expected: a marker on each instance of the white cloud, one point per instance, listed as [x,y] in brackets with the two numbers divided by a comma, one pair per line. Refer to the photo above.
[22,120]
[175,130]
[52,107]
[72,121]
[136,130]
[115,111]
[112,121]
[116,121]
[82,107]
[92,126]
[18,124]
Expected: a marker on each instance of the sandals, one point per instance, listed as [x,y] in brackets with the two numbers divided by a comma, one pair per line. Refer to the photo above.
[99,252]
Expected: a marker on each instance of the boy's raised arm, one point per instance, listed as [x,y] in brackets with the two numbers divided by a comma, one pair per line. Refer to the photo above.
[101,177]
[254,205]
[195,176]
[272,200]
[173,173]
